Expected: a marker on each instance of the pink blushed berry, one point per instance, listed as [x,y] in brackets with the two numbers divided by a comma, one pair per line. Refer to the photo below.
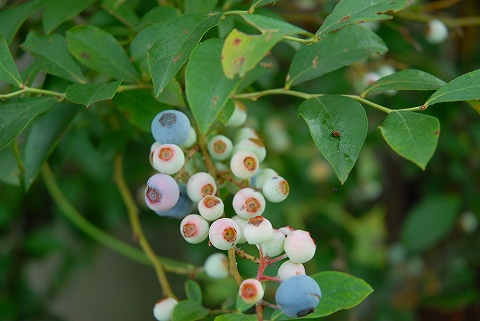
[163,309]
[289,269]
[244,164]
[275,189]
[194,228]
[200,185]
[299,246]
[258,230]
[211,207]
[251,291]
[162,192]
[224,233]
[168,158]
[248,203]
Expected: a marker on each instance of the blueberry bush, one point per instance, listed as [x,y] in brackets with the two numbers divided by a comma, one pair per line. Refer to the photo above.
[270,160]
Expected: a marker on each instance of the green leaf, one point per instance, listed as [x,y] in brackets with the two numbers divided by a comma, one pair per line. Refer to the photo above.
[193,291]
[410,79]
[174,44]
[475,104]
[158,15]
[349,12]
[236,317]
[52,52]
[172,94]
[332,52]
[339,291]
[437,215]
[188,311]
[465,87]
[338,126]
[139,107]
[121,11]
[207,92]
[199,7]
[12,18]
[8,69]
[242,306]
[44,136]
[58,11]
[10,173]
[100,51]
[267,23]
[88,94]
[259,3]
[412,135]
[15,114]
[242,52]
[227,112]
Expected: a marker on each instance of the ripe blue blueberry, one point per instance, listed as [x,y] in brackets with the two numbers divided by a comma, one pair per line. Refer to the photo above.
[171,127]
[298,296]
[182,208]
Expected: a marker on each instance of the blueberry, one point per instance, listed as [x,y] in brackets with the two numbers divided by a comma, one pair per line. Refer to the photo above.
[182,208]
[298,296]
[171,127]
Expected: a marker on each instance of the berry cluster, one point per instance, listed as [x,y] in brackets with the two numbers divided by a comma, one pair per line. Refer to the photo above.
[195,199]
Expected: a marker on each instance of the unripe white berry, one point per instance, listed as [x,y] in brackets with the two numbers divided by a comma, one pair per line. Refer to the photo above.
[274,246]
[191,139]
[248,203]
[211,207]
[194,228]
[251,291]
[244,164]
[246,133]
[385,70]
[275,189]
[162,192]
[220,147]
[239,115]
[163,309]
[168,159]
[241,222]
[224,233]
[200,185]
[299,246]
[287,230]
[437,32]
[262,175]
[369,78]
[258,230]
[217,266]
[289,269]
[152,149]
[253,145]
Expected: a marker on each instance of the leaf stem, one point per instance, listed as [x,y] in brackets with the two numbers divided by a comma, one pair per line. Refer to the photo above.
[276,91]
[369,103]
[26,89]
[133,87]
[100,236]
[132,210]
[312,39]
[450,22]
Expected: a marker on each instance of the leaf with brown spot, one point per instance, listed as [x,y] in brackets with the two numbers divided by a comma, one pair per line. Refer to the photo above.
[348,12]
[242,52]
